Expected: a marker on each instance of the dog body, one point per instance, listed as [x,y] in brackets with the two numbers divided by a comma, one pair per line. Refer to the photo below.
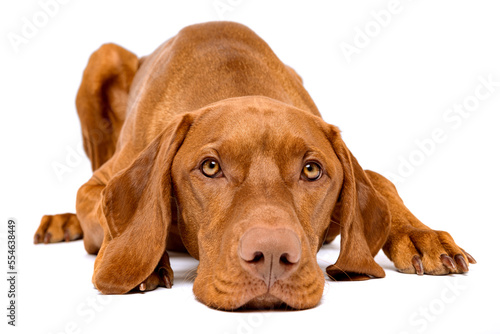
[212,145]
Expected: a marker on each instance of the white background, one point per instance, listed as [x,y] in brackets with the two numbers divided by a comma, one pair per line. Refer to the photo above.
[394,91]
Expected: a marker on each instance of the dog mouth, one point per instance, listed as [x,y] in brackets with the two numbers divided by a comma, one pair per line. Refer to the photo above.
[266,301]
[242,292]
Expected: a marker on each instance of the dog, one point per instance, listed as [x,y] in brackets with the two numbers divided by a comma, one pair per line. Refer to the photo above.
[211,145]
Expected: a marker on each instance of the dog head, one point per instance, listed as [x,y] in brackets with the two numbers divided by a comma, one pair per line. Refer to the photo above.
[257,186]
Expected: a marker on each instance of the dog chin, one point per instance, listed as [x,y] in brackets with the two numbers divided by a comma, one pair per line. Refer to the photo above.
[264,302]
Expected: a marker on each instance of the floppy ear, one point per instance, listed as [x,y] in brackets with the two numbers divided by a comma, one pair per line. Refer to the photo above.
[136,204]
[364,219]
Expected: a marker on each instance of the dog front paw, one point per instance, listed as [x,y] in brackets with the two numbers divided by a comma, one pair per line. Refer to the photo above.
[425,251]
[56,228]
[163,276]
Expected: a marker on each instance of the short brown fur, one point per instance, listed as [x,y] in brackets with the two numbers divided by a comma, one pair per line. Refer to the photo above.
[216,90]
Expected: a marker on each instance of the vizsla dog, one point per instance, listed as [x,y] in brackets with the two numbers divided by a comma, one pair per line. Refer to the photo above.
[211,145]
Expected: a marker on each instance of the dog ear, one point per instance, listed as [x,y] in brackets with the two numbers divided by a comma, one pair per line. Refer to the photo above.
[102,99]
[136,204]
[363,216]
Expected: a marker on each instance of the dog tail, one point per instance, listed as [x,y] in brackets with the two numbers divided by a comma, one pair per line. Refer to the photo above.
[102,100]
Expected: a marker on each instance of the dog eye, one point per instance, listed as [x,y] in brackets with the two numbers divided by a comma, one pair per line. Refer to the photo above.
[311,171]
[210,168]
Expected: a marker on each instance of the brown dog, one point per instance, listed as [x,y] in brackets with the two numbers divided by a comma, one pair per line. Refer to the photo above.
[212,145]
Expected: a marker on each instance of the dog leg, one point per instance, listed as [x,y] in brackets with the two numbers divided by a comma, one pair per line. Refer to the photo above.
[56,228]
[101,104]
[414,247]
[163,276]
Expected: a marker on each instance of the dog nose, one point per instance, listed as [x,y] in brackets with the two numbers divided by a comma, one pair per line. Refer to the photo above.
[270,254]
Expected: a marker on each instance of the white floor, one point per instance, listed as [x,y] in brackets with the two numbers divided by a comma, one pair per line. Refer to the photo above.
[411,101]
[55,295]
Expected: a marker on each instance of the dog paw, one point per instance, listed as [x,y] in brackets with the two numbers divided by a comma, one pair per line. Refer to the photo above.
[425,251]
[56,228]
[163,276]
